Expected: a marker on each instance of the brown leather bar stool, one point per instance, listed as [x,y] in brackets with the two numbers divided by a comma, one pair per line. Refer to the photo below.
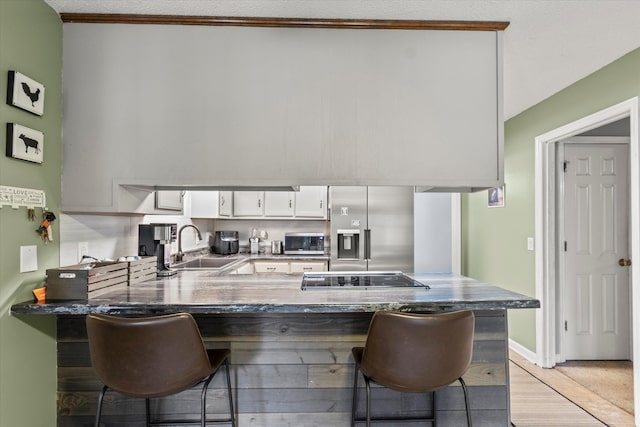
[414,353]
[154,357]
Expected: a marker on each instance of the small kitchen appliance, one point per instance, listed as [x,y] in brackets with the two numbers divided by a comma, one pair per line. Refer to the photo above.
[277,247]
[155,240]
[304,243]
[225,242]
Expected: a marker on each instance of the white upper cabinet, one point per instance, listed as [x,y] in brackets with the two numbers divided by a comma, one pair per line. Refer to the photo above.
[170,200]
[205,204]
[311,202]
[273,107]
[248,203]
[279,203]
[226,203]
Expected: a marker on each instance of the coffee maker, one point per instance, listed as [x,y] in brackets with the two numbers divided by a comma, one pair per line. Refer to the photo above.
[155,240]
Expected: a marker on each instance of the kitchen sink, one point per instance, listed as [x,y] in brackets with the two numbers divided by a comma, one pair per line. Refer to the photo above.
[205,263]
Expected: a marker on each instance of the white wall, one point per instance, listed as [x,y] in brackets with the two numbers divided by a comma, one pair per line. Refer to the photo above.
[113,236]
[432,232]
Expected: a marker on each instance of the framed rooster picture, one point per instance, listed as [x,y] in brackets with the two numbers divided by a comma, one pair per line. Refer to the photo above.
[25,143]
[26,93]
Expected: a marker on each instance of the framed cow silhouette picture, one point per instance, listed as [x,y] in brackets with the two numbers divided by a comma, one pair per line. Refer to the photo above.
[24,143]
[26,93]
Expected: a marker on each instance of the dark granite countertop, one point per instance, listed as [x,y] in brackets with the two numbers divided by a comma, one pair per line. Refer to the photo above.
[204,292]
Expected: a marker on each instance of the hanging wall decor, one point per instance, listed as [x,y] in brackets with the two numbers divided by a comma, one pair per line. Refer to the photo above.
[24,143]
[496,197]
[26,93]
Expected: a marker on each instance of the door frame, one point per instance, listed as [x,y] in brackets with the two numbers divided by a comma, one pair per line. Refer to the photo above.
[561,301]
[546,229]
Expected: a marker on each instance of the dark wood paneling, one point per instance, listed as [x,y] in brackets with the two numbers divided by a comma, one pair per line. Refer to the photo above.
[384,24]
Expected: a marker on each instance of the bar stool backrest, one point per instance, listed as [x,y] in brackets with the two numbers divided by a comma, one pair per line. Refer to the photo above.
[147,357]
[416,353]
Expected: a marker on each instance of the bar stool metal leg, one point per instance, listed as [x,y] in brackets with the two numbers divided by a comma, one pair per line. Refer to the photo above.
[466,400]
[368,386]
[203,401]
[354,404]
[147,405]
[231,411]
[99,410]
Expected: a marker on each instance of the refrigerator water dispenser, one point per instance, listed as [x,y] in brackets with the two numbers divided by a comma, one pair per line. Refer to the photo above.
[348,244]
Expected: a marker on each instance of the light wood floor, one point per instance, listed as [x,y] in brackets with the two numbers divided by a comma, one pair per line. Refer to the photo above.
[546,397]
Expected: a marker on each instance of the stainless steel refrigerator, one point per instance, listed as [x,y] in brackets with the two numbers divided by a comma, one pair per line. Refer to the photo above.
[371,228]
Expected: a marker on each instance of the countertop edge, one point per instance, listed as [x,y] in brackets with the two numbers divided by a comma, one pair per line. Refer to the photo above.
[80,308]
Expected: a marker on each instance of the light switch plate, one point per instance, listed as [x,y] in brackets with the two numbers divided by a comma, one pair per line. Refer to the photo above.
[28,258]
[530,243]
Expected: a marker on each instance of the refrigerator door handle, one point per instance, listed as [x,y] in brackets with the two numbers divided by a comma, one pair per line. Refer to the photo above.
[367,244]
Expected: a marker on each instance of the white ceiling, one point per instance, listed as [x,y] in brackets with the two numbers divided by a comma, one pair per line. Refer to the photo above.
[548,45]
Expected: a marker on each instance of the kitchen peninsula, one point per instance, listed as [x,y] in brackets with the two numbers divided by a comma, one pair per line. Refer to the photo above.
[289,348]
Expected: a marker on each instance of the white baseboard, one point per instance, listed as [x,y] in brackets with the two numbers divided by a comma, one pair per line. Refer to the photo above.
[523,351]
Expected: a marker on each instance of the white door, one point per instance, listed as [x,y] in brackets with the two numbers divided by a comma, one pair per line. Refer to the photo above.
[248,203]
[278,203]
[595,287]
[311,202]
[225,207]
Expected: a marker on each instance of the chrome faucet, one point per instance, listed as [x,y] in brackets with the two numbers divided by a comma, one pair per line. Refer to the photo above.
[180,255]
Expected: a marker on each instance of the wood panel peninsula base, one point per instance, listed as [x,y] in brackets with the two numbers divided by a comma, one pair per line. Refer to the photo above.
[290,349]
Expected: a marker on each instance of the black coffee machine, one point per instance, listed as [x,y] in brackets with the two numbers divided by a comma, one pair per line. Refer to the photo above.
[225,242]
[156,239]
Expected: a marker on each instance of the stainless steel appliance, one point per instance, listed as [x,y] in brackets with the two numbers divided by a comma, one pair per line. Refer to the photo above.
[304,243]
[277,247]
[156,239]
[371,228]
[225,242]
[359,280]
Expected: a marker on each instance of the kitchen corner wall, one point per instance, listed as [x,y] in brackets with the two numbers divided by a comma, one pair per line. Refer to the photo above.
[113,236]
[31,43]
[495,240]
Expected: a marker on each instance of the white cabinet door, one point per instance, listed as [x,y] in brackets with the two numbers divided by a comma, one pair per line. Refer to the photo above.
[169,200]
[305,267]
[204,204]
[248,203]
[279,203]
[271,267]
[225,207]
[311,202]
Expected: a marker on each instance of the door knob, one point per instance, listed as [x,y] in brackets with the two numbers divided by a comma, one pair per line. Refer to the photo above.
[623,262]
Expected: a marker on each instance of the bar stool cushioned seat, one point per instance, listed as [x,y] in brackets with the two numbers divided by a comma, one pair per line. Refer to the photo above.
[154,357]
[414,353]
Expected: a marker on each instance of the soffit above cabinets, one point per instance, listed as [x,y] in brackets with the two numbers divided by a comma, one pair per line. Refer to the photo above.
[231,107]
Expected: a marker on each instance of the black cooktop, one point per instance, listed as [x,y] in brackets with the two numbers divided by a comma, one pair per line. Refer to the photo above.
[359,280]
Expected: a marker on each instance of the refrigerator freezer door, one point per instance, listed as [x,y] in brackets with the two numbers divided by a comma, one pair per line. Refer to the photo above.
[390,221]
[348,212]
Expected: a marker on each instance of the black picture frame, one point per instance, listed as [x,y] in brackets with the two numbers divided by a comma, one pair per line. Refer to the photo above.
[25,143]
[25,93]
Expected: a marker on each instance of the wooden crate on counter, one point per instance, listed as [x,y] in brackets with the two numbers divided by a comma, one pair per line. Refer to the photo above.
[79,282]
[143,269]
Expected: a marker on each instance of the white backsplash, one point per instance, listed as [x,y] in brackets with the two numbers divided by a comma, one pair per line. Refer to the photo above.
[274,228]
[113,236]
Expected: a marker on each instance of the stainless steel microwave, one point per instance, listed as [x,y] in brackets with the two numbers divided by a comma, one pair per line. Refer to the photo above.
[304,243]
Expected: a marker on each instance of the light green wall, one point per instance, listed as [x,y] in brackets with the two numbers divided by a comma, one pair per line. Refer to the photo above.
[30,42]
[495,240]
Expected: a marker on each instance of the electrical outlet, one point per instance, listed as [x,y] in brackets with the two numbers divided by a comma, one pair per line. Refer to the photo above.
[83,249]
